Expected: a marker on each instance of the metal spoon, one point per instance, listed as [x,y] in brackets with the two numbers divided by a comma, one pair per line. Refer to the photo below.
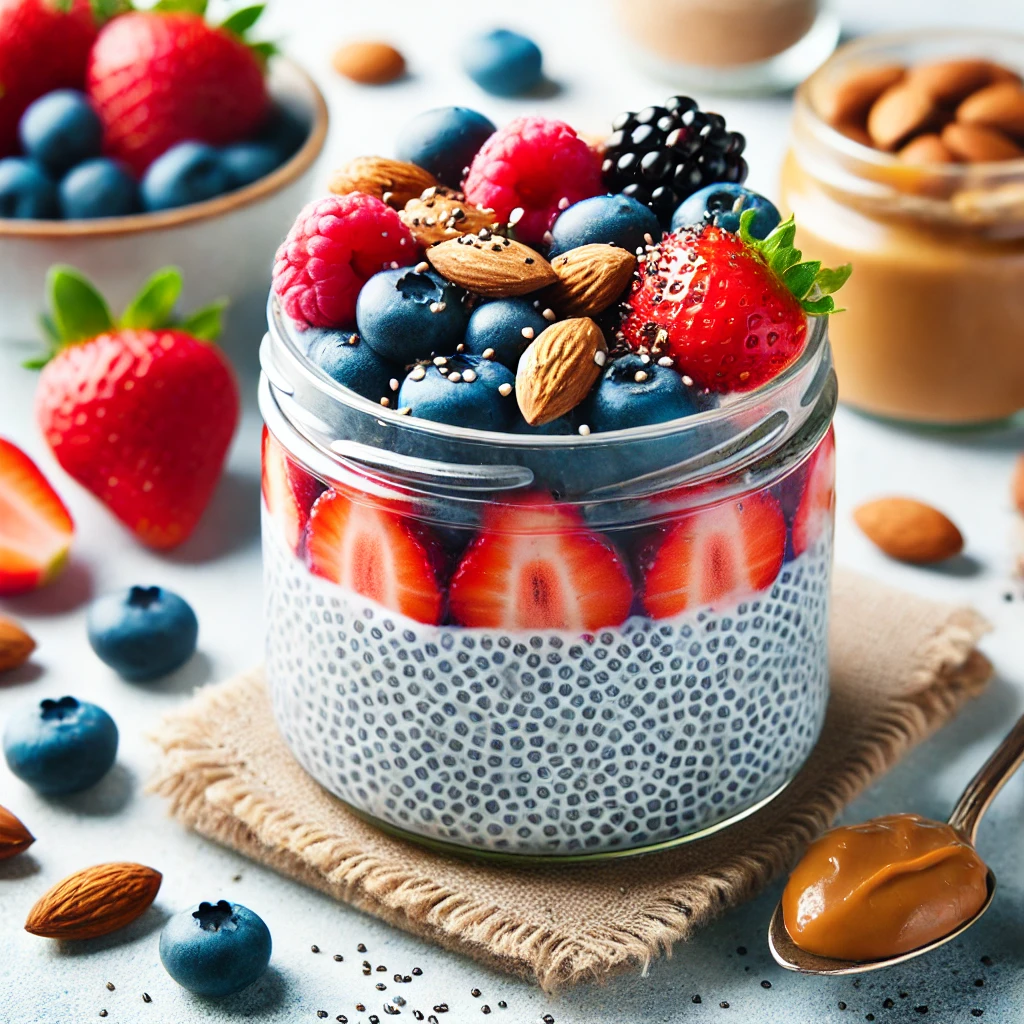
[966,817]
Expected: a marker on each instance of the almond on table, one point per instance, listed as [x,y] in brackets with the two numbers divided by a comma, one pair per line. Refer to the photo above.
[909,530]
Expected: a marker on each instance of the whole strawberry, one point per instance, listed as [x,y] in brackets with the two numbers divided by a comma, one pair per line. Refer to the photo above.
[44,45]
[140,412]
[160,77]
[729,309]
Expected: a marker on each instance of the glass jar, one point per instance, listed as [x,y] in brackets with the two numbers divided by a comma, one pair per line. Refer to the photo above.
[934,325]
[547,646]
[730,46]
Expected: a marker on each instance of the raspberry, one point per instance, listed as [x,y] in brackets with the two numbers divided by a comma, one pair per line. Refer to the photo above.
[537,164]
[335,245]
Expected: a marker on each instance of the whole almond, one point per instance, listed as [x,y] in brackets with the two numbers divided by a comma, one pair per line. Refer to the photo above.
[493,266]
[898,113]
[369,62]
[558,369]
[15,645]
[979,145]
[849,99]
[94,902]
[999,106]
[949,81]
[590,278]
[926,149]
[1018,485]
[380,177]
[14,837]
[909,530]
[440,214]
[855,131]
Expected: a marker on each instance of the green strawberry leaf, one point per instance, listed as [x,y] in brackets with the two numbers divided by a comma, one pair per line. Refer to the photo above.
[180,6]
[809,282]
[207,323]
[153,306]
[37,363]
[263,51]
[79,311]
[49,329]
[104,10]
[242,20]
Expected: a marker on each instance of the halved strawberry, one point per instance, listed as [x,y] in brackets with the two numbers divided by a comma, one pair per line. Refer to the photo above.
[376,553]
[288,491]
[535,565]
[35,527]
[716,553]
[818,500]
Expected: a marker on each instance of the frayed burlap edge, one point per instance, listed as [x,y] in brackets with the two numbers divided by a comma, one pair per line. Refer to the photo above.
[211,792]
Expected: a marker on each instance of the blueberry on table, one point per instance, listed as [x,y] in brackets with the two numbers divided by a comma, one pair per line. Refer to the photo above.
[634,393]
[618,220]
[444,141]
[498,328]
[98,188]
[465,391]
[502,62]
[60,130]
[215,949]
[142,633]
[246,162]
[408,314]
[190,172]
[27,191]
[349,361]
[722,205]
[60,746]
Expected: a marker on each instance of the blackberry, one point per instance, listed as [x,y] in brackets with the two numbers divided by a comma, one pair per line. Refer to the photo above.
[661,155]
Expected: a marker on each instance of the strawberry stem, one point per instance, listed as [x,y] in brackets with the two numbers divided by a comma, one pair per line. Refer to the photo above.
[809,282]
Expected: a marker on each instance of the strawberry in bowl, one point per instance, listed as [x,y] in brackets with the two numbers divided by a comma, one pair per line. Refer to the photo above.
[548,485]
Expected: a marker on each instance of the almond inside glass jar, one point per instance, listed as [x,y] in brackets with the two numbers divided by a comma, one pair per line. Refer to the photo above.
[907,160]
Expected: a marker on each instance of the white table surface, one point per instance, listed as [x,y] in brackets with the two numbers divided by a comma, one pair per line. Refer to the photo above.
[218,570]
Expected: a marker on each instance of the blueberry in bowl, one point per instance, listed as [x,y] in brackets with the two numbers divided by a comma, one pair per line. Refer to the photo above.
[722,204]
[502,328]
[615,219]
[463,390]
[60,746]
[349,361]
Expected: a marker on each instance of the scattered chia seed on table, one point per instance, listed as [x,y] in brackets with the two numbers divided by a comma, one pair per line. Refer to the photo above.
[314,949]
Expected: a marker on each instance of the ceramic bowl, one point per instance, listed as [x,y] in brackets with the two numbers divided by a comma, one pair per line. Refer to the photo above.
[225,246]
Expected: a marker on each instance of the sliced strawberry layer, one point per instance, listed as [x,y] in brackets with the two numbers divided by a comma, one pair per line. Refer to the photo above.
[536,566]
[289,492]
[714,554]
[35,527]
[375,553]
[815,512]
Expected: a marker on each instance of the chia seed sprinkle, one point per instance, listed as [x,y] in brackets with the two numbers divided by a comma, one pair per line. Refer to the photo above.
[146,997]
[485,1008]
[980,982]
[563,203]
[665,361]
[468,376]
[418,373]
[460,347]
[438,307]
[976,1012]
[766,984]
[841,1005]
[385,402]
[584,430]
[600,357]
[360,1008]
[417,971]
[417,1014]
[548,238]
[341,1019]
[338,957]
[475,993]
[441,1008]
[548,314]
[361,948]
[322,1014]
[648,239]
[381,967]
[696,999]
[888,1004]
[440,360]
[398,1000]
[645,358]
[393,384]
[381,987]
[502,1005]
[110,986]
[103,1013]
[527,333]
[488,353]
[688,380]
[505,389]
[455,376]
[640,376]
[422,267]
[724,1005]
[515,216]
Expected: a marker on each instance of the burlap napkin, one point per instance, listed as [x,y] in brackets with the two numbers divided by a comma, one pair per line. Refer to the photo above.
[901,667]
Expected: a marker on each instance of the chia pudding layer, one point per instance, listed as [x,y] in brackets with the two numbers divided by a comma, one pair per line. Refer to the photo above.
[549,742]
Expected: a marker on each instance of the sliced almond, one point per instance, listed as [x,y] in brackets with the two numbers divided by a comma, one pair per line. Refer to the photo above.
[14,837]
[94,902]
[558,369]
[440,214]
[1018,485]
[590,279]
[999,106]
[378,176]
[926,149]
[15,645]
[898,113]
[979,145]
[848,100]
[369,62]
[909,530]
[949,81]
[493,266]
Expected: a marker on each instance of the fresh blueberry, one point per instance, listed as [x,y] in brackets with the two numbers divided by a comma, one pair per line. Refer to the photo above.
[499,326]
[247,162]
[465,391]
[721,204]
[26,191]
[189,172]
[621,220]
[502,62]
[142,633]
[285,130]
[347,359]
[215,949]
[444,141]
[632,393]
[98,188]
[61,129]
[60,746]
[405,314]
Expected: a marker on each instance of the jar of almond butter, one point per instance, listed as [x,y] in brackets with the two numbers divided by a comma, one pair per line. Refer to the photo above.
[907,160]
